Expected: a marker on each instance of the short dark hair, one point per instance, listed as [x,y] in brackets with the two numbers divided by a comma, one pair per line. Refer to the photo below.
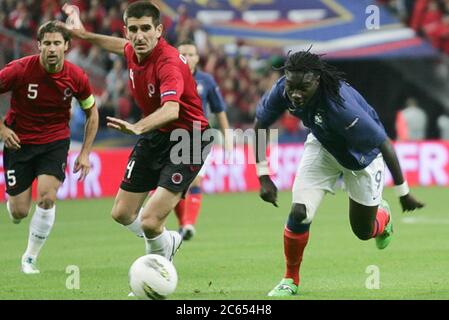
[141,9]
[186,42]
[52,27]
[330,77]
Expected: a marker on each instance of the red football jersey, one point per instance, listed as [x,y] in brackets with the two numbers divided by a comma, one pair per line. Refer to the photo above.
[165,76]
[40,102]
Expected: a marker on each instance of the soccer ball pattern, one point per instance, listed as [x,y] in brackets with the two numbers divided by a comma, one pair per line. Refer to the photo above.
[152,277]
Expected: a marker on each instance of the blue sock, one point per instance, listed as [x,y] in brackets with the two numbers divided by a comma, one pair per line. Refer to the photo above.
[195,190]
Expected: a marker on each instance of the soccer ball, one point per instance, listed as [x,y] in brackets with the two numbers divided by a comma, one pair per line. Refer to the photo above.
[152,277]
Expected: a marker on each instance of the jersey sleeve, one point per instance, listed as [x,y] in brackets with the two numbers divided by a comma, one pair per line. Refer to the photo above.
[9,76]
[128,50]
[271,106]
[358,128]
[85,97]
[214,97]
[171,80]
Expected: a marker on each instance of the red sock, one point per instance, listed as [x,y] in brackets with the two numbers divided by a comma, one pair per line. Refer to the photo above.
[180,212]
[294,245]
[382,219]
[193,206]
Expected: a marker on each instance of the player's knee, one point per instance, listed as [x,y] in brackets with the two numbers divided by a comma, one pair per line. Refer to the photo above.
[297,219]
[19,211]
[298,213]
[123,214]
[362,234]
[120,214]
[46,202]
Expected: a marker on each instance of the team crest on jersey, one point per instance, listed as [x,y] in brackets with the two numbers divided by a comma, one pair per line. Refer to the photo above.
[68,94]
[177,178]
[318,119]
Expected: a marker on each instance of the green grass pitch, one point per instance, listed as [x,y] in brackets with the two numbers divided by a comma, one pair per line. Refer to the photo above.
[237,252]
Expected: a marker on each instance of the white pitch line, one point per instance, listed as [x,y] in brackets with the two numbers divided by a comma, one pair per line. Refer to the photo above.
[423,220]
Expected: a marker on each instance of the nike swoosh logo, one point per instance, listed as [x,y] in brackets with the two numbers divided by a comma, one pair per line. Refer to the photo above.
[352,124]
[285,287]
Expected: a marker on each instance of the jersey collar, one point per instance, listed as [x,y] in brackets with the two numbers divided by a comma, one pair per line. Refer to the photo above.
[153,54]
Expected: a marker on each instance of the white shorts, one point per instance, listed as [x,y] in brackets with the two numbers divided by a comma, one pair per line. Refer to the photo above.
[318,169]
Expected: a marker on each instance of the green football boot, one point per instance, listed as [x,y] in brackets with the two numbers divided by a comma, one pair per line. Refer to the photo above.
[384,239]
[285,288]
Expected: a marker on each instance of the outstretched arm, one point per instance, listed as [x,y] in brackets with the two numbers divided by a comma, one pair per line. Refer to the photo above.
[168,113]
[268,190]
[408,202]
[76,28]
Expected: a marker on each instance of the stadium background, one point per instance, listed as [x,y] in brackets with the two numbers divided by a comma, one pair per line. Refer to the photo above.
[405,57]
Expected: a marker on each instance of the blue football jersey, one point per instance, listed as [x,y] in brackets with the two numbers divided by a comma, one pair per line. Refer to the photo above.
[350,131]
[209,92]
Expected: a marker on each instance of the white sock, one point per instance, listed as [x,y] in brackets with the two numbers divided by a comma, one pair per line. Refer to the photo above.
[40,227]
[158,244]
[7,207]
[136,226]
[9,211]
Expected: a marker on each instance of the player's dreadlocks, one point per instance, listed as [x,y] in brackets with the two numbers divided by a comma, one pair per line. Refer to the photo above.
[330,77]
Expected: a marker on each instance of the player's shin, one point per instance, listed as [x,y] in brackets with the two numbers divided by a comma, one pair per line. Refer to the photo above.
[180,212]
[193,205]
[40,227]
[295,242]
[382,219]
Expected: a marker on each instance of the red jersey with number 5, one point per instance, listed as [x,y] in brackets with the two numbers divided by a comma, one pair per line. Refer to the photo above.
[165,76]
[40,102]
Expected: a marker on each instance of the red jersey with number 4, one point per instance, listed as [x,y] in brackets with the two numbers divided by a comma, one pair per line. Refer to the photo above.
[40,102]
[165,76]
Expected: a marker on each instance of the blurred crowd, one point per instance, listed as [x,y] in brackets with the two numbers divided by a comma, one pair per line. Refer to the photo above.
[242,78]
[429,18]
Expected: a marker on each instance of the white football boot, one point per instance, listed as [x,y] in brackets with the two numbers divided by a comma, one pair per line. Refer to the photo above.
[176,241]
[187,232]
[29,265]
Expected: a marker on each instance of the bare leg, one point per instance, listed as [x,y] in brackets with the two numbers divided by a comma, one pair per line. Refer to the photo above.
[362,219]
